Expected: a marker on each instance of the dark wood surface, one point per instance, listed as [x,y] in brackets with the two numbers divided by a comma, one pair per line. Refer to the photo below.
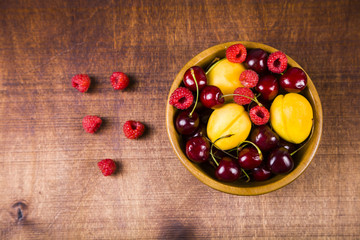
[50,187]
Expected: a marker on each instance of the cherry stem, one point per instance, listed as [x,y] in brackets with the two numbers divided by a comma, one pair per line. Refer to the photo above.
[311,133]
[197,92]
[247,176]
[252,99]
[249,142]
[212,145]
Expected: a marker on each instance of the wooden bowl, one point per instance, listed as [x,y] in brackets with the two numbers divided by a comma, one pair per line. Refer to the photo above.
[206,173]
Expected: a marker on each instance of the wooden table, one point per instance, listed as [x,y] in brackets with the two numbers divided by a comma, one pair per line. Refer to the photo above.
[50,186]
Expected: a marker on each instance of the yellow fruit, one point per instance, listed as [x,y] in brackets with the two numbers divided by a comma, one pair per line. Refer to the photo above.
[225,75]
[291,116]
[231,118]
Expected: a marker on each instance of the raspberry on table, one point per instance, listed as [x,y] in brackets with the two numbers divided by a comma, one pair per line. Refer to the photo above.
[81,82]
[277,62]
[119,80]
[249,78]
[91,123]
[107,166]
[181,98]
[246,95]
[133,129]
[259,115]
[236,53]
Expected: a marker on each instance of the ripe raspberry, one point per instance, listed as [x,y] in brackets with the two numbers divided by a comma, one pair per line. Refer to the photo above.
[277,62]
[133,129]
[107,166]
[241,100]
[91,123]
[236,53]
[181,98]
[249,78]
[81,82]
[119,80]
[259,115]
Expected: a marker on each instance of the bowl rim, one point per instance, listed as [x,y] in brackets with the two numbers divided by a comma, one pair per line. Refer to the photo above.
[241,190]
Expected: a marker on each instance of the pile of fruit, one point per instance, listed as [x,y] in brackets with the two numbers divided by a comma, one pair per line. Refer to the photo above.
[243,114]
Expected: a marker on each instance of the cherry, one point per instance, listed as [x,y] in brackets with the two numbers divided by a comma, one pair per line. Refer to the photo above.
[187,124]
[280,161]
[256,60]
[268,86]
[265,138]
[293,80]
[249,158]
[200,77]
[261,173]
[211,96]
[198,149]
[289,146]
[227,170]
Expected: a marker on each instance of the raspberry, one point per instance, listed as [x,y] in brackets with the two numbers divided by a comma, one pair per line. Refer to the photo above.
[236,53]
[277,62]
[81,82]
[181,98]
[119,80]
[107,166]
[259,115]
[91,123]
[241,100]
[249,78]
[133,129]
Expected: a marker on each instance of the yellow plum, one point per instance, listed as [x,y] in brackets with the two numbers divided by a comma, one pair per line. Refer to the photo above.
[231,118]
[291,116]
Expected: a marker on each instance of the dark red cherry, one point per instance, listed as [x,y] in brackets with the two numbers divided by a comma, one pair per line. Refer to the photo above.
[198,149]
[293,80]
[268,86]
[291,147]
[228,170]
[185,124]
[261,173]
[211,96]
[200,78]
[280,161]
[249,158]
[256,60]
[265,138]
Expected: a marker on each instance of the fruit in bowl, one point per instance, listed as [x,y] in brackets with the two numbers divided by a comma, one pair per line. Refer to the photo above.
[238,130]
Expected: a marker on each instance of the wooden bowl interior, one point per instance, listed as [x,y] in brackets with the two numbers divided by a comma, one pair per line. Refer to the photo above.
[205,172]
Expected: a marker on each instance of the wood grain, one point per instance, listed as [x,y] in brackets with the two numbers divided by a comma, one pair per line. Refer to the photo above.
[50,186]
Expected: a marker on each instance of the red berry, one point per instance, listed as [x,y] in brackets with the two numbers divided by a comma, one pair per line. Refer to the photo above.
[277,62]
[246,98]
[249,78]
[107,166]
[119,80]
[181,98]
[81,82]
[259,115]
[133,129]
[91,123]
[236,53]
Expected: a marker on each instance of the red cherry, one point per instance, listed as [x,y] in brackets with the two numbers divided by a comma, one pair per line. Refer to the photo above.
[293,80]
[228,170]
[198,149]
[249,158]
[211,97]
[268,86]
[200,78]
